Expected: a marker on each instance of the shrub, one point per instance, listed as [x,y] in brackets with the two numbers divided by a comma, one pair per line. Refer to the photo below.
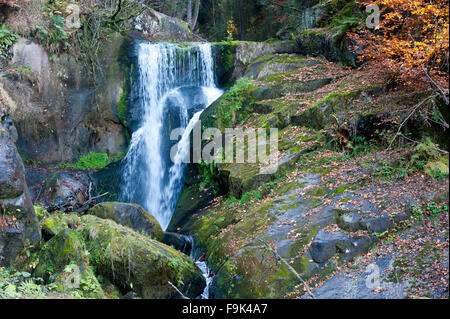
[7,39]
[91,161]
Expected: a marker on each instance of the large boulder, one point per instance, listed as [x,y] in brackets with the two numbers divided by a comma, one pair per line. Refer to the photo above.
[157,26]
[63,261]
[136,262]
[19,225]
[130,215]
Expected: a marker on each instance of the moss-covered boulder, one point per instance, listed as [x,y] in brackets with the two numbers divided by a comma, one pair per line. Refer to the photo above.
[63,261]
[331,44]
[136,262]
[130,215]
[61,250]
[57,222]
[233,57]
[191,199]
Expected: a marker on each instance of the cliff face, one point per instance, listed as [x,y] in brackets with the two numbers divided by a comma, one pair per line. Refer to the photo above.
[59,110]
[61,106]
[19,226]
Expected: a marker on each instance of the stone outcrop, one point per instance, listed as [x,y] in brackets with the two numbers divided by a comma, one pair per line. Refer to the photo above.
[61,107]
[19,226]
[155,25]
[317,220]
[58,109]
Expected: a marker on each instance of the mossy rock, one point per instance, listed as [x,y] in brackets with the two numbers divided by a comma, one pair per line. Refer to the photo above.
[438,168]
[56,223]
[79,281]
[191,199]
[132,261]
[331,44]
[64,248]
[130,215]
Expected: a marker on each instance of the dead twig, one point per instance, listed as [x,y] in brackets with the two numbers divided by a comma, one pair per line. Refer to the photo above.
[179,292]
[416,142]
[290,268]
[407,118]
[427,75]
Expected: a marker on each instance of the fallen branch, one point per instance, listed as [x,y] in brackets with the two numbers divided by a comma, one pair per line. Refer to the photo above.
[411,140]
[407,118]
[283,6]
[199,37]
[291,269]
[179,292]
[39,194]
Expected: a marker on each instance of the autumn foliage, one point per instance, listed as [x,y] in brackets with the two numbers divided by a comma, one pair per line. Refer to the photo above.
[412,41]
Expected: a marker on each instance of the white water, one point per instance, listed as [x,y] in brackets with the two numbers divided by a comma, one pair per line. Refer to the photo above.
[202,265]
[171,78]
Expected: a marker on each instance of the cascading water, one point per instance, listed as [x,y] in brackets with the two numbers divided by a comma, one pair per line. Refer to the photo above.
[174,85]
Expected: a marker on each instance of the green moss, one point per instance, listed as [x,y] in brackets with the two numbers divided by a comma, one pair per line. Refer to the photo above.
[122,106]
[231,102]
[438,169]
[126,214]
[56,223]
[126,257]
[340,190]
[90,161]
[64,248]
[319,191]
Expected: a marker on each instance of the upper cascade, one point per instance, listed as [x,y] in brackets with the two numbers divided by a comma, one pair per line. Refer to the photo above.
[175,83]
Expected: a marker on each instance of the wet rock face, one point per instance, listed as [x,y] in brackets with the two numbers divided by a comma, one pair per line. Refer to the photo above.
[178,241]
[18,221]
[57,108]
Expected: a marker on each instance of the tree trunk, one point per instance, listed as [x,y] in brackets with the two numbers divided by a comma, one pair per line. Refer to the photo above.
[242,22]
[189,13]
[196,10]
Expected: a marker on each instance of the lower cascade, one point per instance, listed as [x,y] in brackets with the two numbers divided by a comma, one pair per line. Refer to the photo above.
[175,84]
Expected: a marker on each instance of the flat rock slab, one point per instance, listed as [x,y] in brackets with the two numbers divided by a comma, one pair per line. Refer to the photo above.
[369,284]
[376,224]
[325,245]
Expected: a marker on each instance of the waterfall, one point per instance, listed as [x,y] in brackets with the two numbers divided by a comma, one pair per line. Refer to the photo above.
[175,84]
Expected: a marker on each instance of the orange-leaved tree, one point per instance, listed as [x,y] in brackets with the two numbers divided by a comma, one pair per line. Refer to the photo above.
[412,41]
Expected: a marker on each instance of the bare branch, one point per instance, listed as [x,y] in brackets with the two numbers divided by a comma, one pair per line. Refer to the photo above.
[291,269]
[441,91]
[179,292]
[410,114]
